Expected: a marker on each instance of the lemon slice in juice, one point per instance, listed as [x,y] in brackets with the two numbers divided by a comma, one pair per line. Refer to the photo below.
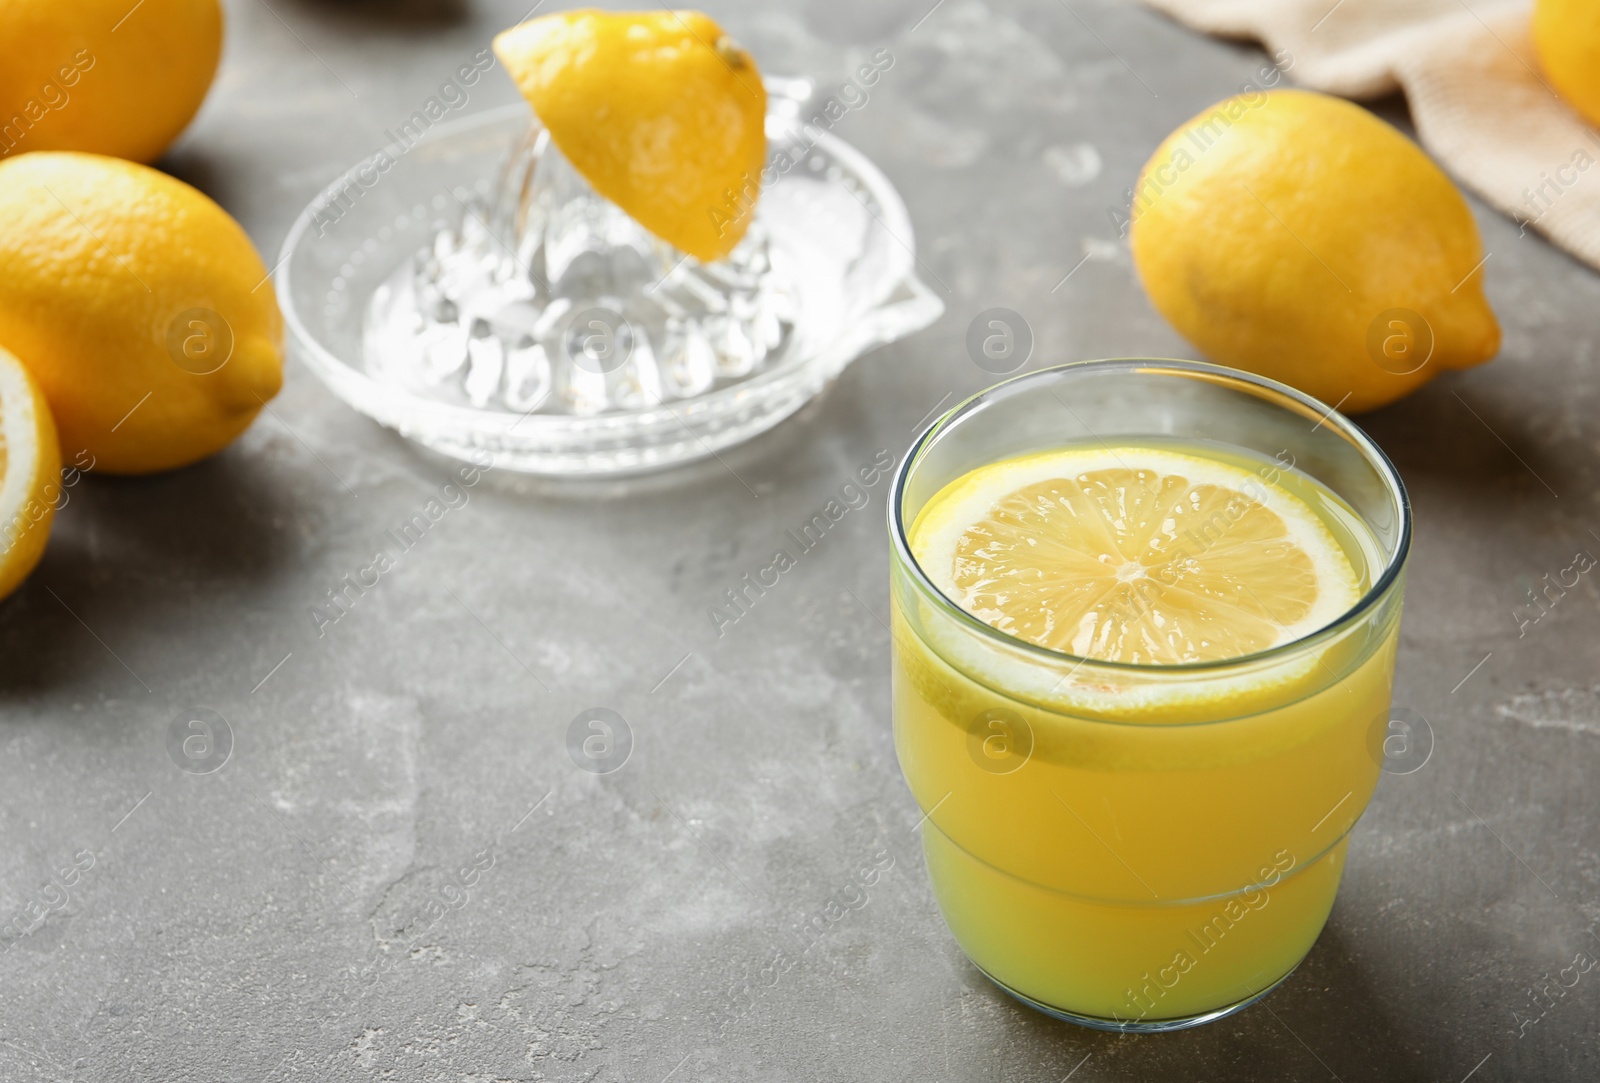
[1135,554]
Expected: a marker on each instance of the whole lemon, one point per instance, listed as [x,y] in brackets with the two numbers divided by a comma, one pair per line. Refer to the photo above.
[1295,235]
[139,305]
[109,76]
[1567,36]
[659,110]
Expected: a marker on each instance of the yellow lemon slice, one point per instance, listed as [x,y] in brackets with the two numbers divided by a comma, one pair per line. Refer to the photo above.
[660,111]
[30,466]
[1135,554]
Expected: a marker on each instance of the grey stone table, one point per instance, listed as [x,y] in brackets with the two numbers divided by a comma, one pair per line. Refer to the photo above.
[399,803]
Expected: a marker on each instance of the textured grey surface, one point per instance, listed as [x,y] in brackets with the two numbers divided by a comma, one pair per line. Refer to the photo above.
[609,934]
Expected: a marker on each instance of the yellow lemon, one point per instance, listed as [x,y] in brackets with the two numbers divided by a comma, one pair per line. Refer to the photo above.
[108,76]
[660,111]
[1134,554]
[139,305]
[1567,36]
[30,465]
[1295,235]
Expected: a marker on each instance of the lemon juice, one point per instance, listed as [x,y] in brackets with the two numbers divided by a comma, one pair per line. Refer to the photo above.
[1133,705]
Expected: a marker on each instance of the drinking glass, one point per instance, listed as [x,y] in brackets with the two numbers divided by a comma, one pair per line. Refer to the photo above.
[1145,847]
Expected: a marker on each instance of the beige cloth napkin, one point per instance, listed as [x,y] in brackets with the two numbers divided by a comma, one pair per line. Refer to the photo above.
[1480,102]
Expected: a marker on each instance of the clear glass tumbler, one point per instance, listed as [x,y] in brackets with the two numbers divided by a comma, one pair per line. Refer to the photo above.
[1137,847]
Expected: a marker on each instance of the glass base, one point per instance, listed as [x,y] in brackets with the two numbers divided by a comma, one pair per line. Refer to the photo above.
[1140,1026]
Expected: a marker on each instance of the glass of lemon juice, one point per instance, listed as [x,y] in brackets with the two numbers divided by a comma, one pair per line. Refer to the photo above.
[1145,618]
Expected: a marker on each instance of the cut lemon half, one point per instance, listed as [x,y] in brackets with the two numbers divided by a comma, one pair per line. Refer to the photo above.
[663,113]
[1135,554]
[30,465]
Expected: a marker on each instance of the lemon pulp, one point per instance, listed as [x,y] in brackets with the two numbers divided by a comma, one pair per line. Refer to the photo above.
[29,463]
[1135,554]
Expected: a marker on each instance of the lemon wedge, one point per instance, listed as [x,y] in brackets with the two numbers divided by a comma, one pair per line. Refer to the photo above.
[661,111]
[30,464]
[1135,554]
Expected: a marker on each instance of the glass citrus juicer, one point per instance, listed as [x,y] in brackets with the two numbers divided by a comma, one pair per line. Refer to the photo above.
[471,286]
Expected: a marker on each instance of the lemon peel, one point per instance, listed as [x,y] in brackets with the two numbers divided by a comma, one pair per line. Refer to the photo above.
[661,111]
[1566,34]
[1296,235]
[104,76]
[139,305]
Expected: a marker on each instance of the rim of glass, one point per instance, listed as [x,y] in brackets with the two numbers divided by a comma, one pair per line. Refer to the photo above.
[1252,384]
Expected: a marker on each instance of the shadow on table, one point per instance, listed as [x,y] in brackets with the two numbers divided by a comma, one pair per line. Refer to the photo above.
[132,559]
[197,167]
[395,16]
[1462,437]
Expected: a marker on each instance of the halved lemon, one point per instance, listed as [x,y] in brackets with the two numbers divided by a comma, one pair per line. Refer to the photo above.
[1135,554]
[661,111]
[30,467]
